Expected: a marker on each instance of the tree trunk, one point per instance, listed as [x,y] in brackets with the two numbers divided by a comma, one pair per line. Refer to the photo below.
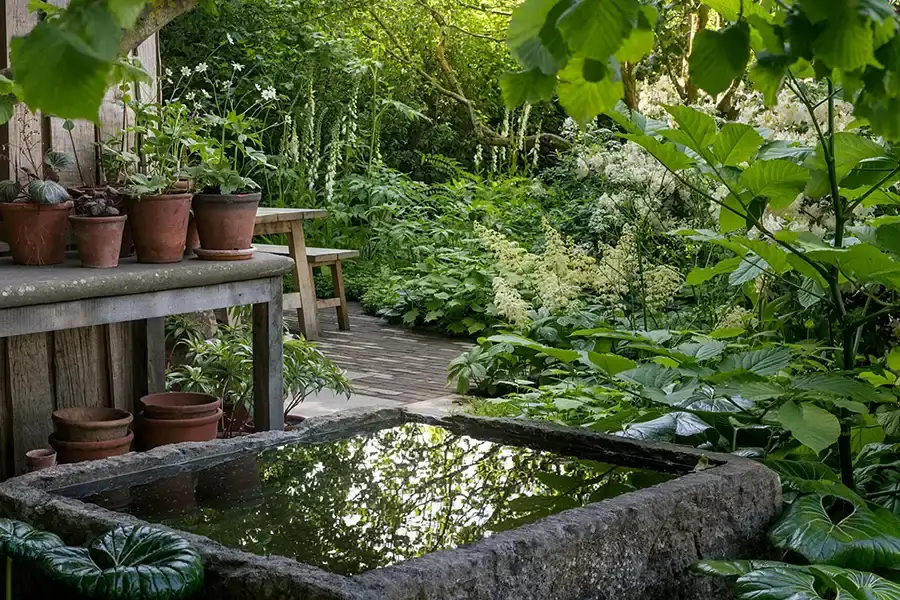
[699,21]
[632,99]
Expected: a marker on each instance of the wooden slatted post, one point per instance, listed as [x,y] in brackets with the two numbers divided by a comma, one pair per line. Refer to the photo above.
[268,361]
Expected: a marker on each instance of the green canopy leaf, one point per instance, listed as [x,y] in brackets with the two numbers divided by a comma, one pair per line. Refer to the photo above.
[719,57]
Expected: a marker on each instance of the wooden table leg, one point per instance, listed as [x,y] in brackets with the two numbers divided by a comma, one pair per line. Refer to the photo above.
[308,314]
[268,362]
[149,357]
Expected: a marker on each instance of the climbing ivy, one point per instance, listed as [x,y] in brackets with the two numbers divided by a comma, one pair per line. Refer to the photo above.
[575,48]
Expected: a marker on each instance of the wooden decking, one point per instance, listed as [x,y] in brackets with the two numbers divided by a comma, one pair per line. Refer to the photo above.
[388,364]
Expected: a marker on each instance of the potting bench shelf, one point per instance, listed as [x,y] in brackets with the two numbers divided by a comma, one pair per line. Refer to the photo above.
[37,300]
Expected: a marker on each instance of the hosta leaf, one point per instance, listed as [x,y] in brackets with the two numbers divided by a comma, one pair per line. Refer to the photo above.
[864,539]
[128,563]
[813,426]
[596,28]
[836,385]
[778,583]
[561,354]
[650,375]
[750,267]
[611,364]
[736,143]
[801,469]
[21,541]
[667,428]
[719,57]
[778,180]
[765,361]
[733,568]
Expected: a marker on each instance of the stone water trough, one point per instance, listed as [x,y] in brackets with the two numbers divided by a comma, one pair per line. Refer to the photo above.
[390,505]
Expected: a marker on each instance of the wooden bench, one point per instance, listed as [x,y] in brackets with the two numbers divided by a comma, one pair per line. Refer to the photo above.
[323,257]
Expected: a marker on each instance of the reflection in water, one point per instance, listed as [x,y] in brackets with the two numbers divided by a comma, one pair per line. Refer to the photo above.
[364,502]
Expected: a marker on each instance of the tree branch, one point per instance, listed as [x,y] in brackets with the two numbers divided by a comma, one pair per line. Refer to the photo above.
[156,15]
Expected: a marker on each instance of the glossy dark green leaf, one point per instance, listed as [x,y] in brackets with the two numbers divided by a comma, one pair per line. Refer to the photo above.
[765,361]
[863,539]
[45,191]
[129,563]
[21,541]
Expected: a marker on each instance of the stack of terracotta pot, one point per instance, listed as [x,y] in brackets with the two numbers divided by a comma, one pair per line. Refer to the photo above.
[90,433]
[174,417]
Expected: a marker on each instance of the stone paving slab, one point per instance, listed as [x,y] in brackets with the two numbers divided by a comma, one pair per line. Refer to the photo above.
[389,365]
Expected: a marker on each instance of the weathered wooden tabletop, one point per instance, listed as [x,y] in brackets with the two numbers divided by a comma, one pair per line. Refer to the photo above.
[25,286]
[266,214]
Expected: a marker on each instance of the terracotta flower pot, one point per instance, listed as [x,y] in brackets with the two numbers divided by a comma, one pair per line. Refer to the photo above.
[41,458]
[159,432]
[36,233]
[72,452]
[226,222]
[179,405]
[159,226]
[99,240]
[90,424]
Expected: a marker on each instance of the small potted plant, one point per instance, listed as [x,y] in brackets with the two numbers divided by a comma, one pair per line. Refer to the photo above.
[225,208]
[98,227]
[159,207]
[227,152]
[35,212]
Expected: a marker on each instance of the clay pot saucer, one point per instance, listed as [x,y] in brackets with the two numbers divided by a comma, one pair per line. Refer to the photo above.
[91,424]
[179,405]
[204,254]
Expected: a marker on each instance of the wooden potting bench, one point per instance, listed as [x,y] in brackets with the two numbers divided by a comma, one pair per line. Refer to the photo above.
[35,378]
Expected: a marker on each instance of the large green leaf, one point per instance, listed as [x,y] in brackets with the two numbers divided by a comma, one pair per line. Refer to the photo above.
[813,426]
[701,275]
[837,385]
[560,354]
[21,541]
[696,130]
[736,143]
[597,28]
[849,151]
[583,94]
[764,361]
[129,563]
[863,539]
[529,87]
[611,364]
[779,180]
[81,47]
[533,37]
[719,57]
